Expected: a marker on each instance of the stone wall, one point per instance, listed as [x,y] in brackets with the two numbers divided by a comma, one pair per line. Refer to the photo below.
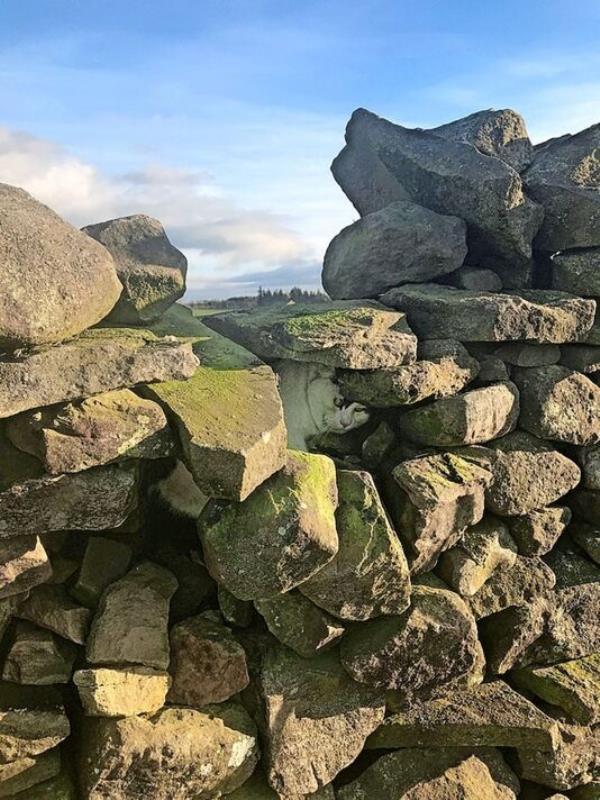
[405,608]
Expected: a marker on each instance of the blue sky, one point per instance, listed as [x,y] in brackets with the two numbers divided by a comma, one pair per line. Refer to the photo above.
[221,118]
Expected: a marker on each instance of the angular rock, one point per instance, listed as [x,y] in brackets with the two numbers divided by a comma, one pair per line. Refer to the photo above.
[382,162]
[108,427]
[280,536]
[489,715]
[125,692]
[23,564]
[563,177]
[228,415]
[99,360]
[54,281]
[430,647]
[507,634]
[439,312]
[207,664]
[501,134]
[37,657]
[130,623]
[481,550]
[570,565]
[177,753]
[528,474]
[369,575]
[50,607]
[17,778]
[537,532]
[475,279]
[577,272]
[572,685]
[151,270]
[432,500]
[104,561]
[347,335]
[474,417]
[559,404]
[299,624]
[32,720]
[588,538]
[315,720]
[443,369]
[529,579]
[400,243]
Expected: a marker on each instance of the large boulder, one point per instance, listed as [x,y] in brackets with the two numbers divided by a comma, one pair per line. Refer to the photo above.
[151,270]
[54,280]
[401,243]
[439,312]
[564,178]
[383,162]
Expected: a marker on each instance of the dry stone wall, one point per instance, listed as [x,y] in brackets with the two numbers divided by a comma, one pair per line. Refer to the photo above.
[406,609]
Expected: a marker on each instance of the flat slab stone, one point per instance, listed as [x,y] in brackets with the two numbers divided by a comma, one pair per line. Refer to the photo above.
[24,564]
[527,580]
[489,715]
[280,536]
[99,360]
[18,777]
[437,312]
[348,335]
[38,657]
[107,427]
[299,623]
[32,720]
[121,692]
[577,272]
[228,415]
[51,607]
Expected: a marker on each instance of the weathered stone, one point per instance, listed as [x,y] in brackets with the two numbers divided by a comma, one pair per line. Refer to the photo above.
[111,692]
[563,177]
[577,272]
[347,335]
[400,243]
[369,575]
[32,720]
[299,624]
[382,162]
[507,634]
[207,664]
[492,370]
[50,607]
[588,538]
[528,474]
[104,561]
[130,624]
[54,281]
[377,446]
[438,312]
[180,753]
[526,581]
[481,550]
[37,657]
[195,584]
[23,564]
[237,612]
[315,719]
[257,788]
[151,270]
[99,360]
[474,417]
[443,369]
[108,427]
[228,415]
[280,536]
[475,279]
[581,357]
[537,532]
[589,460]
[593,335]
[432,500]
[18,777]
[572,685]
[442,773]
[430,647]
[489,715]
[60,787]
[32,502]
[570,565]
[559,404]
[521,354]
[501,134]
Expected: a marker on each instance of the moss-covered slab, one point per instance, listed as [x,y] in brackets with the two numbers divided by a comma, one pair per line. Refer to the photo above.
[280,536]
[350,335]
[228,414]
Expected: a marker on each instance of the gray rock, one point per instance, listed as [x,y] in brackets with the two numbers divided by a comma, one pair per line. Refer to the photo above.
[581,357]
[54,281]
[37,657]
[521,354]
[300,624]
[151,270]
[588,538]
[563,177]
[378,445]
[537,532]
[527,580]
[50,607]
[577,272]
[439,312]
[23,564]
[400,243]
[475,279]
[104,561]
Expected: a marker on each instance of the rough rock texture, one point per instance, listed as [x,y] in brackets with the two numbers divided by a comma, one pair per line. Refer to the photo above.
[401,243]
[577,272]
[151,270]
[537,532]
[299,624]
[38,657]
[527,580]
[51,607]
[45,262]
[23,564]
[507,634]
[573,762]
[121,692]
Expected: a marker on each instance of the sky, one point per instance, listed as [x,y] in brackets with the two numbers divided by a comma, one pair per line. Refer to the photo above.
[221,117]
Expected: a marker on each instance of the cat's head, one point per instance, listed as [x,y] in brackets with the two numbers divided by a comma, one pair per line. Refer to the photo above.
[330,411]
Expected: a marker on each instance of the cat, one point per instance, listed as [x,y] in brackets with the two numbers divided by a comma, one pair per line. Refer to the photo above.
[313,403]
